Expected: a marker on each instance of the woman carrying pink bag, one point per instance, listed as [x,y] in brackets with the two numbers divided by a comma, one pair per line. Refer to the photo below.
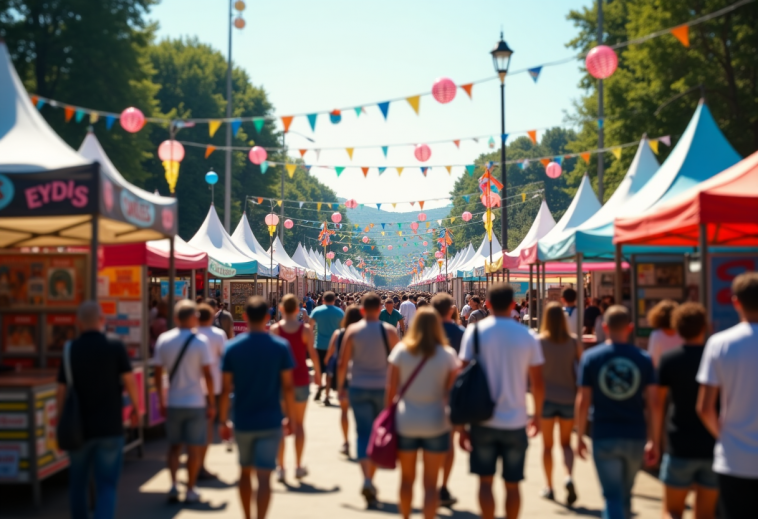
[425,367]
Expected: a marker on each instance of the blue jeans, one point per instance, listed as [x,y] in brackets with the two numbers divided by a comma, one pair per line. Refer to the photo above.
[366,404]
[101,457]
[617,461]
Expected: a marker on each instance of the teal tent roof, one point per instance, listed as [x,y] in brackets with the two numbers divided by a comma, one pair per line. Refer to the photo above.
[702,152]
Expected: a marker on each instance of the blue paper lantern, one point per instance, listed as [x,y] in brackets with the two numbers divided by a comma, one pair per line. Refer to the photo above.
[211,177]
[335,116]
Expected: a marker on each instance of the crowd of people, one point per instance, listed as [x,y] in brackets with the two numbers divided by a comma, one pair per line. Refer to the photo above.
[682,408]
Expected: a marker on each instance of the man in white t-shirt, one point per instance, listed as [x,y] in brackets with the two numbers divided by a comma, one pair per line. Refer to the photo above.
[728,369]
[217,343]
[568,298]
[407,310]
[509,353]
[466,310]
[187,411]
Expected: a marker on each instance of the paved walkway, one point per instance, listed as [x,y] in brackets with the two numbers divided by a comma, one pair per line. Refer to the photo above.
[331,491]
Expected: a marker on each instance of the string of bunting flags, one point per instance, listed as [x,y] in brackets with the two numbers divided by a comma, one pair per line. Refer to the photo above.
[443,90]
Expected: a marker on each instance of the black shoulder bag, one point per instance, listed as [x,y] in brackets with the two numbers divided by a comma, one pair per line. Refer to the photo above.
[179,358]
[470,399]
[70,432]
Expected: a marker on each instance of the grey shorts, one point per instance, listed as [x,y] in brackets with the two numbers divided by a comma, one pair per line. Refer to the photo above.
[258,449]
[553,410]
[435,444]
[187,425]
[684,472]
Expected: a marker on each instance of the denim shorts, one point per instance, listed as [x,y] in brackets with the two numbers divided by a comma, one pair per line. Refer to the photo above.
[302,393]
[488,444]
[439,443]
[258,449]
[553,410]
[684,472]
[187,425]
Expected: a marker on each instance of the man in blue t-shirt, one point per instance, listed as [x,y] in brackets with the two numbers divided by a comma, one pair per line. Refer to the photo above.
[309,303]
[257,368]
[328,319]
[618,379]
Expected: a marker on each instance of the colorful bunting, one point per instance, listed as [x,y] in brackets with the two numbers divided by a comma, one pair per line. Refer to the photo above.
[616,152]
[523,197]
[365,172]
[339,170]
[279,203]
[385,108]
[79,116]
[236,124]
[260,200]
[358,110]
[286,121]
[414,101]
[382,170]
[213,127]
[209,150]
[312,121]
[350,152]
[467,88]
[545,162]
[378,206]
[399,171]
[457,143]
[585,156]
[449,169]
[302,153]
[653,145]
[421,205]
[318,206]
[384,150]
[534,73]
[666,139]
[600,123]
[94,117]
[532,136]
[470,169]
[264,166]
[291,170]
[424,169]
[682,33]
[68,112]
[258,124]
[39,104]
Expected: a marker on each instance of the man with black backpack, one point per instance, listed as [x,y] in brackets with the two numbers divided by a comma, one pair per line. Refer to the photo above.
[186,357]
[508,353]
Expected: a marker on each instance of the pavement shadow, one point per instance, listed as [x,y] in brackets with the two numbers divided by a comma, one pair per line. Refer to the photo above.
[579,510]
[215,483]
[306,488]
[387,508]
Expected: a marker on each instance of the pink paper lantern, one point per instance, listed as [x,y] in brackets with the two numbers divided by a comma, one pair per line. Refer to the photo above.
[438,254]
[422,217]
[466,216]
[351,204]
[349,263]
[257,155]
[443,90]
[414,226]
[365,239]
[171,150]
[132,120]
[330,255]
[344,249]
[271,219]
[422,152]
[389,247]
[336,217]
[490,200]
[601,62]
[426,243]
[288,224]
[553,170]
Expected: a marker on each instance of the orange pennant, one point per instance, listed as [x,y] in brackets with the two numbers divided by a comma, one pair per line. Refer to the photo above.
[682,33]
[260,200]
[585,156]
[372,247]
[69,112]
[209,150]
[457,143]
[35,100]
[302,152]
[286,121]
[365,172]
[532,136]
[421,204]
[467,87]
[545,162]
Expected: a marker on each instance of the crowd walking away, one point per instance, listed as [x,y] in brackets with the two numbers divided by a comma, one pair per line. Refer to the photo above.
[425,382]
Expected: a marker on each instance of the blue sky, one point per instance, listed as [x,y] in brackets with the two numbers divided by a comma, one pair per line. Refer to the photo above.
[320,55]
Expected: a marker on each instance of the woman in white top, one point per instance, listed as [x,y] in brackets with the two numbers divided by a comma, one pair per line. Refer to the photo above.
[663,338]
[422,419]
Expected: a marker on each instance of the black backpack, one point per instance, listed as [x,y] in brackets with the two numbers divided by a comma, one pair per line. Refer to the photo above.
[470,400]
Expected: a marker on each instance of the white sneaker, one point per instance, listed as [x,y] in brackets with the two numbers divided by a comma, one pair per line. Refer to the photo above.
[280,474]
[192,496]
[301,472]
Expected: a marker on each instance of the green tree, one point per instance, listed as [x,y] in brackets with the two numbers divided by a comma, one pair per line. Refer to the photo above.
[91,54]
[721,58]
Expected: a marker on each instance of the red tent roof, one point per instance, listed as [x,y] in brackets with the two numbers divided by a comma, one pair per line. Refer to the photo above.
[154,254]
[727,203]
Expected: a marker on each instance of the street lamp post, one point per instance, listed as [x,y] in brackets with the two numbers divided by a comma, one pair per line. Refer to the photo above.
[501,59]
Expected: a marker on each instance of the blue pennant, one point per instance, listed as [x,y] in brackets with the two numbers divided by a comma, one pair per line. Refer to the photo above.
[535,72]
[466,198]
[378,206]
[109,120]
[385,108]
[236,126]
[312,121]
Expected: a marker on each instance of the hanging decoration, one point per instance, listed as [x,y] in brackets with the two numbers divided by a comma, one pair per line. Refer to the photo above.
[422,152]
[351,204]
[335,116]
[349,262]
[257,155]
[365,239]
[171,153]
[344,249]
[466,216]
[288,224]
[325,235]
[601,62]
[425,243]
[336,217]
[443,90]
[553,170]
[211,178]
[422,217]
[491,143]
[132,120]
[330,255]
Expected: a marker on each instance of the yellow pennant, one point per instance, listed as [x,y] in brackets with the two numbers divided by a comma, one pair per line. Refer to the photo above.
[616,152]
[523,197]
[399,233]
[349,152]
[318,206]
[449,169]
[399,172]
[653,145]
[93,117]
[213,127]
[291,169]
[427,225]
[394,206]
[382,233]
[279,203]
[414,101]
[452,219]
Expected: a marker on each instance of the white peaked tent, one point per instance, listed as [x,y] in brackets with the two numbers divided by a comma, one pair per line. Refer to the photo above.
[542,225]
[280,255]
[244,239]
[301,258]
[481,254]
[225,260]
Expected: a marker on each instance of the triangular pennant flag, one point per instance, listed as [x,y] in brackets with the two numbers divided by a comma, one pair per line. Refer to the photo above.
[34,99]
[424,169]
[666,139]
[264,166]
[258,124]
[312,121]
[358,110]
[385,108]
[616,152]
[559,160]
[93,117]
[414,101]
[382,170]
[301,204]
[209,150]
[39,104]
[318,206]
[523,197]
[68,112]
[449,169]
[383,226]
[279,203]
[466,198]
[399,171]
[335,206]
[307,168]
[213,127]
[365,172]
[545,162]
[585,156]
[653,145]
[286,121]
[457,143]
[534,72]
[413,204]
[400,226]
[532,136]
[350,152]
[291,169]
[378,206]
[302,153]
[79,116]
[470,169]
[682,33]
[467,87]
[452,219]
[339,170]
[260,200]
[421,204]
[384,150]
[236,126]
[372,247]
[393,206]
[427,225]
